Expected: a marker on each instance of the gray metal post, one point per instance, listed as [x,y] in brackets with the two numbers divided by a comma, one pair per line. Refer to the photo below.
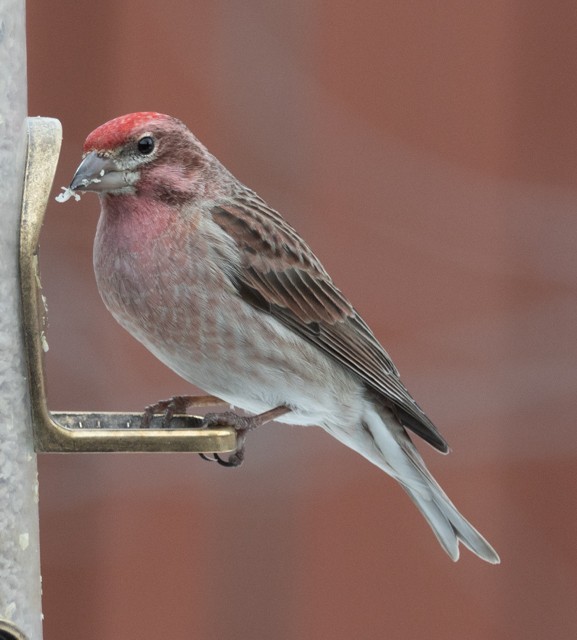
[19,541]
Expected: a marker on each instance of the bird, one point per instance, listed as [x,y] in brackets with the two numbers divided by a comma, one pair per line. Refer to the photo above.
[221,289]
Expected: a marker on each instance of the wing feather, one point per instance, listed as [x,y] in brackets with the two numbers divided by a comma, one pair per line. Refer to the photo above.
[280,275]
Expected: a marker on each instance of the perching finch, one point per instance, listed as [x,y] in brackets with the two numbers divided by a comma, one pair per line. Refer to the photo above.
[222,290]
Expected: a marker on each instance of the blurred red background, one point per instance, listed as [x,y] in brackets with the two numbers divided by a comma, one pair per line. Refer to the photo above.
[428,153]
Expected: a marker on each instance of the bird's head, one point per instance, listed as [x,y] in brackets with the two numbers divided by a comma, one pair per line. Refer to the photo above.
[142,153]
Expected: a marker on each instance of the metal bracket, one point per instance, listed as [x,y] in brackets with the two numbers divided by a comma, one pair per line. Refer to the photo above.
[81,431]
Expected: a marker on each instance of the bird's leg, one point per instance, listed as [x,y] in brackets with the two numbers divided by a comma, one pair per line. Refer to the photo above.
[242,425]
[176,404]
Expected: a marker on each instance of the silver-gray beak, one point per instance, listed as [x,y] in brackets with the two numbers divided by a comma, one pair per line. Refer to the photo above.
[97,173]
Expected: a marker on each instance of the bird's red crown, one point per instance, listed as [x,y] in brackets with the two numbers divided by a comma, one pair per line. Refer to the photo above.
[113,133]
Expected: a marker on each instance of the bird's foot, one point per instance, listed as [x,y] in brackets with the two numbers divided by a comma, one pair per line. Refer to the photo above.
[174,405]
[234,459]
[242,425]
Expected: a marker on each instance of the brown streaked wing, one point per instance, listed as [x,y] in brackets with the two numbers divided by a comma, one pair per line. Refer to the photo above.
[282,276]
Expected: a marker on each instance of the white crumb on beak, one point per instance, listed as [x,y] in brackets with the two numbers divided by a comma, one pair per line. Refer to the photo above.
[66,194]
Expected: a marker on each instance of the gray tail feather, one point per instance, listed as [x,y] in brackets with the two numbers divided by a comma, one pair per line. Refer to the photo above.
[385,443]
[447,523]
[450,526]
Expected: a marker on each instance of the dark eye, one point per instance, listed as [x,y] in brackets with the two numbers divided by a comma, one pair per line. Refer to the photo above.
[146,145]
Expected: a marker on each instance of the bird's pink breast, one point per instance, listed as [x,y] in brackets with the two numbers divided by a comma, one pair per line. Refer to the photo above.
[143,261]
[161,281]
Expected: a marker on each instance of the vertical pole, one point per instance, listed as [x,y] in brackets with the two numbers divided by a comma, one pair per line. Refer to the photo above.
[19,540]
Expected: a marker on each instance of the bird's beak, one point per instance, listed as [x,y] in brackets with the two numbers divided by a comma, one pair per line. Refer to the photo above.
[97,173]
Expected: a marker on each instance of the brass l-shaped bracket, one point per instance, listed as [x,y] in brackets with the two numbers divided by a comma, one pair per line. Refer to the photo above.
[81,431]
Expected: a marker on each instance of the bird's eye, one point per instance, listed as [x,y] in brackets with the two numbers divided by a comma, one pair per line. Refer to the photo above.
[146,145]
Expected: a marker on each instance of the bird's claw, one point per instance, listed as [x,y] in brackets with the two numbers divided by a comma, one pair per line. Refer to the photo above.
[241,424]
[179,404]
[234,460]
[176,404]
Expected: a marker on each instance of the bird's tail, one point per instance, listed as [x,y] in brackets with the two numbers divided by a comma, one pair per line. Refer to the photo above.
[385,443]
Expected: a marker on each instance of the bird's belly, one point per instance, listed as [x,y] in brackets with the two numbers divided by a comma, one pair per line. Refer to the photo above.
[229,349]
